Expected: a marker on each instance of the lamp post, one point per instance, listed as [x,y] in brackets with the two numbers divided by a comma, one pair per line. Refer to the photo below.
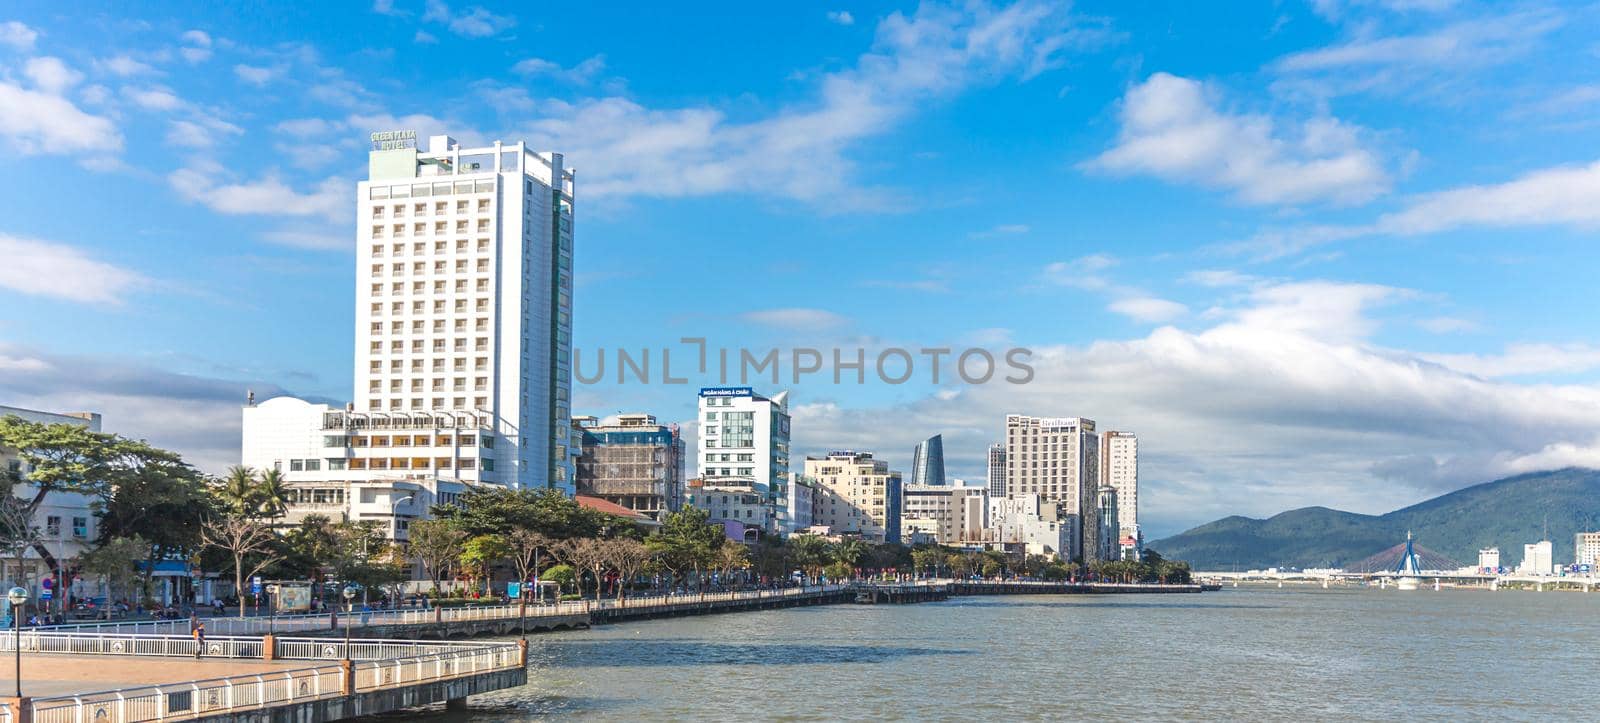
[18,597]
[349,598]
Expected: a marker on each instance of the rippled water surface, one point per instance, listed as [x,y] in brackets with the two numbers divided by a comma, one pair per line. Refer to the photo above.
[1258,653]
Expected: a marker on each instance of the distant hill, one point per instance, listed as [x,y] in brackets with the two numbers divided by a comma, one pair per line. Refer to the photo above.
[1506,513]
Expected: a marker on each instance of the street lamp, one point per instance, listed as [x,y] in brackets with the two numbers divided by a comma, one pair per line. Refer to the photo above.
[18,597]
[349,598]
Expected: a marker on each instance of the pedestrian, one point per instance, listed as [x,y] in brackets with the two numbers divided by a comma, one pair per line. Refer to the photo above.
[199,639]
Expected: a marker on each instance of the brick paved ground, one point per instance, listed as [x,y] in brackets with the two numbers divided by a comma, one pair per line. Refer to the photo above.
[51,675]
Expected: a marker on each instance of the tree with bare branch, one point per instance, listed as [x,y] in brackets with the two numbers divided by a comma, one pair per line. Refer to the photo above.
[438,544]
[628,558]
[526,548]
[242,538]
[587,554]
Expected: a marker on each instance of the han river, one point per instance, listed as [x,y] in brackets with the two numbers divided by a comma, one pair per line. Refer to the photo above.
[1259,653]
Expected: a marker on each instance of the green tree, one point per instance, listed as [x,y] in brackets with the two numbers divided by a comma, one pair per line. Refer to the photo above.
[437,544]
[850,553]
[116,561]
[562,575]
[166,506]
[479,555]
[837,571]
[272,494]
[686,542]
[811,553]
[238,490]
[928,560]
[72,458]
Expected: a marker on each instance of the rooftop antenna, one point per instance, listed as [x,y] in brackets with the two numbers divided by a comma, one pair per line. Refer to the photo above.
[250,397]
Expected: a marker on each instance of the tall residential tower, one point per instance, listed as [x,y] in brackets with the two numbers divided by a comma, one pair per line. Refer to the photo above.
[1119,468]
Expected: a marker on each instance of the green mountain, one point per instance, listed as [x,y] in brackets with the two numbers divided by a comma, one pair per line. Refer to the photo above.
[1506,513]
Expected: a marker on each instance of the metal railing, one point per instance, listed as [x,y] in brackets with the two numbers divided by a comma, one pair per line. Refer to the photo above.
[393,664]
[80,643]
[256,625]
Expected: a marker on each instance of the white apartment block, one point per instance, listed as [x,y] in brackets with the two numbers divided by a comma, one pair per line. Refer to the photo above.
[744,439]
[1536,559]
[1489,559]
[798,500]
[1586,548]
[363,467]
[734,502]
[65,521]
[1058,459]
[856,494]
[464,298]
[1119,468]
[954,514]
[1032,523]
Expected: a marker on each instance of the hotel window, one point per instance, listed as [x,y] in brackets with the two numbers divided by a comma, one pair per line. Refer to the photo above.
[375,366]
[377,212]
[440,207]
[399,230]
[480,403]
[461,285]
[461,206]
[419,209]
[377,269]
[483,285]
[483,244]
[418,249]
[459,403]
[377,232]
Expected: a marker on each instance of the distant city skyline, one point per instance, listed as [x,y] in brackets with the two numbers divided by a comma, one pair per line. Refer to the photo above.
[1305,250]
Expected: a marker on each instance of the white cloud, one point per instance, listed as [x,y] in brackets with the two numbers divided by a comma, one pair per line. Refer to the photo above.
[582,73]
[1083,272]
[202,132]
[17,36]
[197,48]
[1525,360]
[424,37]
[1148,309]
[1002,229]
[51,75]
[1474,42]
[43,268]
[474,22]
[256,75]
[796,319]
[38,121]
[1217,278]
[1553,196]
[268,196]
[125,66]
[154,98]
[1172,129]
[627,149]
[841,17]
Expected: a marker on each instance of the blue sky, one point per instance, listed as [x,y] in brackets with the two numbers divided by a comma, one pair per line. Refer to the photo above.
[1336,252]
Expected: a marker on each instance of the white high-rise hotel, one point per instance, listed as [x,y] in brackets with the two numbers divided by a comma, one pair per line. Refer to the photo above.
[463,339]
[464,296]
[1058,459]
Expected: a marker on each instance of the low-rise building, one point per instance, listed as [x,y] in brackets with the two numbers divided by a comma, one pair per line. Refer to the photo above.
[1586,549]
[1032,523]
[954,514]
[732,501]
[856,495]
[1489,560]
[631,461]
[367,466]
[1536,559]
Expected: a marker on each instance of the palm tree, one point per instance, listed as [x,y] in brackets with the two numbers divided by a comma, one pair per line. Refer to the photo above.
[272,494]
[239,490]
[850,553]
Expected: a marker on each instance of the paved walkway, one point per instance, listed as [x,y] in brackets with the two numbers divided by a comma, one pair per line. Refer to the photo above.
[52,675]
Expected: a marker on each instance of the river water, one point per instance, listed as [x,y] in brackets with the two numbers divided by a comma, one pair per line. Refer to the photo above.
[1262,653]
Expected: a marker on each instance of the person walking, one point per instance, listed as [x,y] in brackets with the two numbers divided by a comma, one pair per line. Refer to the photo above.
[199,639]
